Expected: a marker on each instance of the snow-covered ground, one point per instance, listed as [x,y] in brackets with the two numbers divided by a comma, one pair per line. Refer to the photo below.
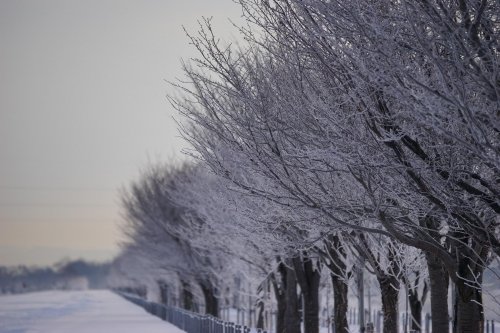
[96,311]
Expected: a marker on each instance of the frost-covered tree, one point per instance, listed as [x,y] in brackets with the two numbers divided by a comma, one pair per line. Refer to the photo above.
[162,230]
[424,78]
[238,225]
[356,116]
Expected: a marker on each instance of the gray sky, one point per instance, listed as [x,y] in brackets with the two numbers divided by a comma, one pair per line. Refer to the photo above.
[82,109]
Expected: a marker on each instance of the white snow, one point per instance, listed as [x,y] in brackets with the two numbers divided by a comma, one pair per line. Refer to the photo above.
[96,311]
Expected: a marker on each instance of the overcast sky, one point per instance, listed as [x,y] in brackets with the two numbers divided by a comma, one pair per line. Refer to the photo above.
[82,109]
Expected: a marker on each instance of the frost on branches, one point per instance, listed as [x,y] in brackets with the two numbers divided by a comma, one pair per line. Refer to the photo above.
[342,136]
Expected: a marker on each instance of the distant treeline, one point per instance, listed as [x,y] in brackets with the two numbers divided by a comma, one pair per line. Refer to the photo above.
[77,274]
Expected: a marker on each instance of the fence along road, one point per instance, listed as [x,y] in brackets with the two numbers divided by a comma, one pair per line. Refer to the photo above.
[186,320]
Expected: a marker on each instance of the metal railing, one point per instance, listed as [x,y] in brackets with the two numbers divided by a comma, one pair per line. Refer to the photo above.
[197,323]
[186,320]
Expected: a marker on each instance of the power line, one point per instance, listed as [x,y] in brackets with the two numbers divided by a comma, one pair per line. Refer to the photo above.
[59,219]
[56,189]
[72,205]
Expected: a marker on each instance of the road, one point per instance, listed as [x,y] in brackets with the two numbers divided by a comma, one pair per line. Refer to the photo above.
[92,311]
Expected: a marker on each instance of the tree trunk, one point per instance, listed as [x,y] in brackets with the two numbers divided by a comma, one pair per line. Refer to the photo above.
[260,315]
[280,315]
[211,301]
[311,311]
[340,307]
[469,317]
[337,266]
[416,311]
[438,278]
[285,290]
[281,306]
[187,296]
[389,288]
[292,316]
[164,293]
[360,284]
[308,277]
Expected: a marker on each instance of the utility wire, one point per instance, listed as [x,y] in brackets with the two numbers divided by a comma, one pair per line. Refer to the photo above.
[53,205]
[62,189]
[59,219]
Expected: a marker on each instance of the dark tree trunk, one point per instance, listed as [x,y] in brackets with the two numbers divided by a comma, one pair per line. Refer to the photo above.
[389,288]
[311,311]
[340,307]
[285,290]
[292,315]
[279,292]
[416,301]
[280,315]
[416,311]
[338,268]
[163,292]
[260,315]
[438,278]
[187,295]
[211,300]
[469,317]
[469,312]
[389,284]
[308,277]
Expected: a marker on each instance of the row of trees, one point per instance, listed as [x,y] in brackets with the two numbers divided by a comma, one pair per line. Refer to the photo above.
[342,134]
[66,274]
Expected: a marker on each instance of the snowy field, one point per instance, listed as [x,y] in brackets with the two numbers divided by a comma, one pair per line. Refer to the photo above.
[96,311]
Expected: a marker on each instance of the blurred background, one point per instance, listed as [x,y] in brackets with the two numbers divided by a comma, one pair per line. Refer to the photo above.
[83,107]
